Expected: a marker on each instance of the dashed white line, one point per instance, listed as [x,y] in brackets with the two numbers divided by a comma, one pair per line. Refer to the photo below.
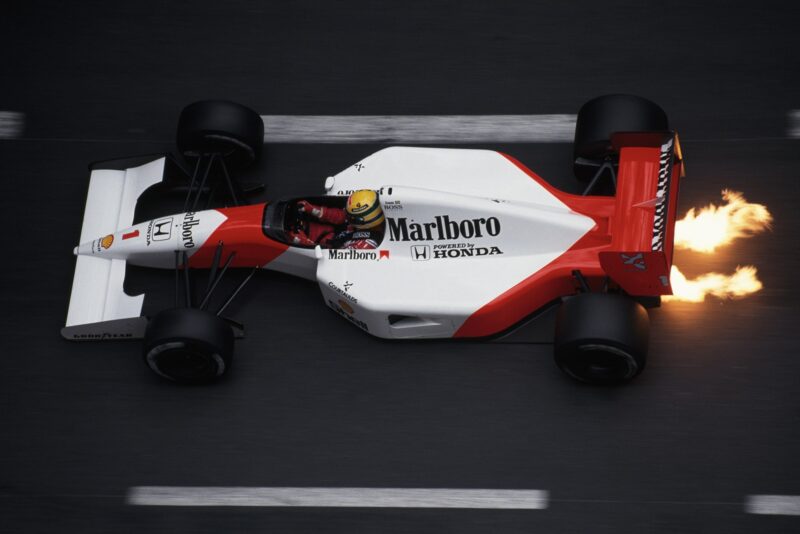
[337,497]
[794,124]
[11,124]
[386,129]
[418,128]
[773,504]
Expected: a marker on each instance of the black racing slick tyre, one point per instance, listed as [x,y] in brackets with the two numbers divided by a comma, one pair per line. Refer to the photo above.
[601,338]
[188,345]
[603,116]
[218,126]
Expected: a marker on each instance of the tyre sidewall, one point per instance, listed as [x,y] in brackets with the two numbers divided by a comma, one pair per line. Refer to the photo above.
[197,333]
[219,126]
[601,117]
[155,358]
[572,359]
[594,327]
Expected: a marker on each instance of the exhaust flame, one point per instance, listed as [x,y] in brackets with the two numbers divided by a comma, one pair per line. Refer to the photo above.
[705,230]
[715,226]
[740,284]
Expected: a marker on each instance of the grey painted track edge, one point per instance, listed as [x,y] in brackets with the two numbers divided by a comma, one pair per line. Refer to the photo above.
[337,497]
[552,128]
[773,504]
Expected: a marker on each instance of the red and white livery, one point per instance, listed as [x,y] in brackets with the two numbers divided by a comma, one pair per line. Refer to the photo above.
[473,242]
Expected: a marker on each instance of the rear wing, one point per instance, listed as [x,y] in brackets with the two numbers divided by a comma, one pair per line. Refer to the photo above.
[643,225]
[99,308]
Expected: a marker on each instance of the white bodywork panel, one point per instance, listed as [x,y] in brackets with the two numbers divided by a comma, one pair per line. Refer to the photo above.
[426,283]
[97,293]
[470,172]
[153,243]
[462,228]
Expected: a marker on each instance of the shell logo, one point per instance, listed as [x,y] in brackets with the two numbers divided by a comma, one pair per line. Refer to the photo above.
[346,307]
[106,241]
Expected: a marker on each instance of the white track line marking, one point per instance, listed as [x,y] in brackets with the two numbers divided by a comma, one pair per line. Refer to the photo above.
[337,497]
[794,123]
[418,128]
[773,504]
[386,129]
[11,124]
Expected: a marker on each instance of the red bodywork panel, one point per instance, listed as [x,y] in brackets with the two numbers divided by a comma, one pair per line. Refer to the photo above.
[631,242]
[242,229]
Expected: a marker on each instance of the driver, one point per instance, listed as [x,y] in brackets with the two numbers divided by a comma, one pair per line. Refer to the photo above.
[362,216]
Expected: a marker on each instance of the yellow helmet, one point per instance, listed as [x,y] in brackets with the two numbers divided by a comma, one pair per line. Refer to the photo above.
[363,209]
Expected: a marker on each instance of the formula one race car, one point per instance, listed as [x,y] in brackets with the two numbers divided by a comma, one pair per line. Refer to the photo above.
[462,244]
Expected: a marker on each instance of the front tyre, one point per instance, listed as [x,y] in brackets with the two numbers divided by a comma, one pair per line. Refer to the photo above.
[601,338]
[188,345]
[232,130]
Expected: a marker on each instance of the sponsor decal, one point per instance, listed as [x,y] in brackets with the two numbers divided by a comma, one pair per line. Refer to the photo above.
[359,166]
[463,250]
[107,241]
[189,222]
[451,250]
[420,252]
[442,228]
[636,260]
[130,235]
[355,254]
[662,196]
[338,309]
[103,335]
[346,307]
[382,191]
[392,205]
[159,230]
[344,293]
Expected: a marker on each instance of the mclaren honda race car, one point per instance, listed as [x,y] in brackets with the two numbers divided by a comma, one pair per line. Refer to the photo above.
[471,245]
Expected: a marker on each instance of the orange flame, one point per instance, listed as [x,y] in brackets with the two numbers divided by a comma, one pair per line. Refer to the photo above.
[707,229]
[739,284]
[715,226]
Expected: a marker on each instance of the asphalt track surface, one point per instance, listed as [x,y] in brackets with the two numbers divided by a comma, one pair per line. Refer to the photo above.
[314,402]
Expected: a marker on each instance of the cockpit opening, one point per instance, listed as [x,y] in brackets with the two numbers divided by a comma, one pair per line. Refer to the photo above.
[355,221]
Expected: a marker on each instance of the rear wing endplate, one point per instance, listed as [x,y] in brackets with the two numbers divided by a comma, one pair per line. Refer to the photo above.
[643,225]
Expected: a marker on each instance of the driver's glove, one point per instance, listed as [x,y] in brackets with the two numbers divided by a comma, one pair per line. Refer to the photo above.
[307,207]
[299,237]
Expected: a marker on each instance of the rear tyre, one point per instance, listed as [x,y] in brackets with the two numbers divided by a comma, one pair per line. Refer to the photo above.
[218,126]
[188,345]
[601,338]
[603,116]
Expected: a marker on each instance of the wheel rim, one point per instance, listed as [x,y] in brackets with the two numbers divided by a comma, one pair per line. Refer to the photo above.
[184,362]
[601,363]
